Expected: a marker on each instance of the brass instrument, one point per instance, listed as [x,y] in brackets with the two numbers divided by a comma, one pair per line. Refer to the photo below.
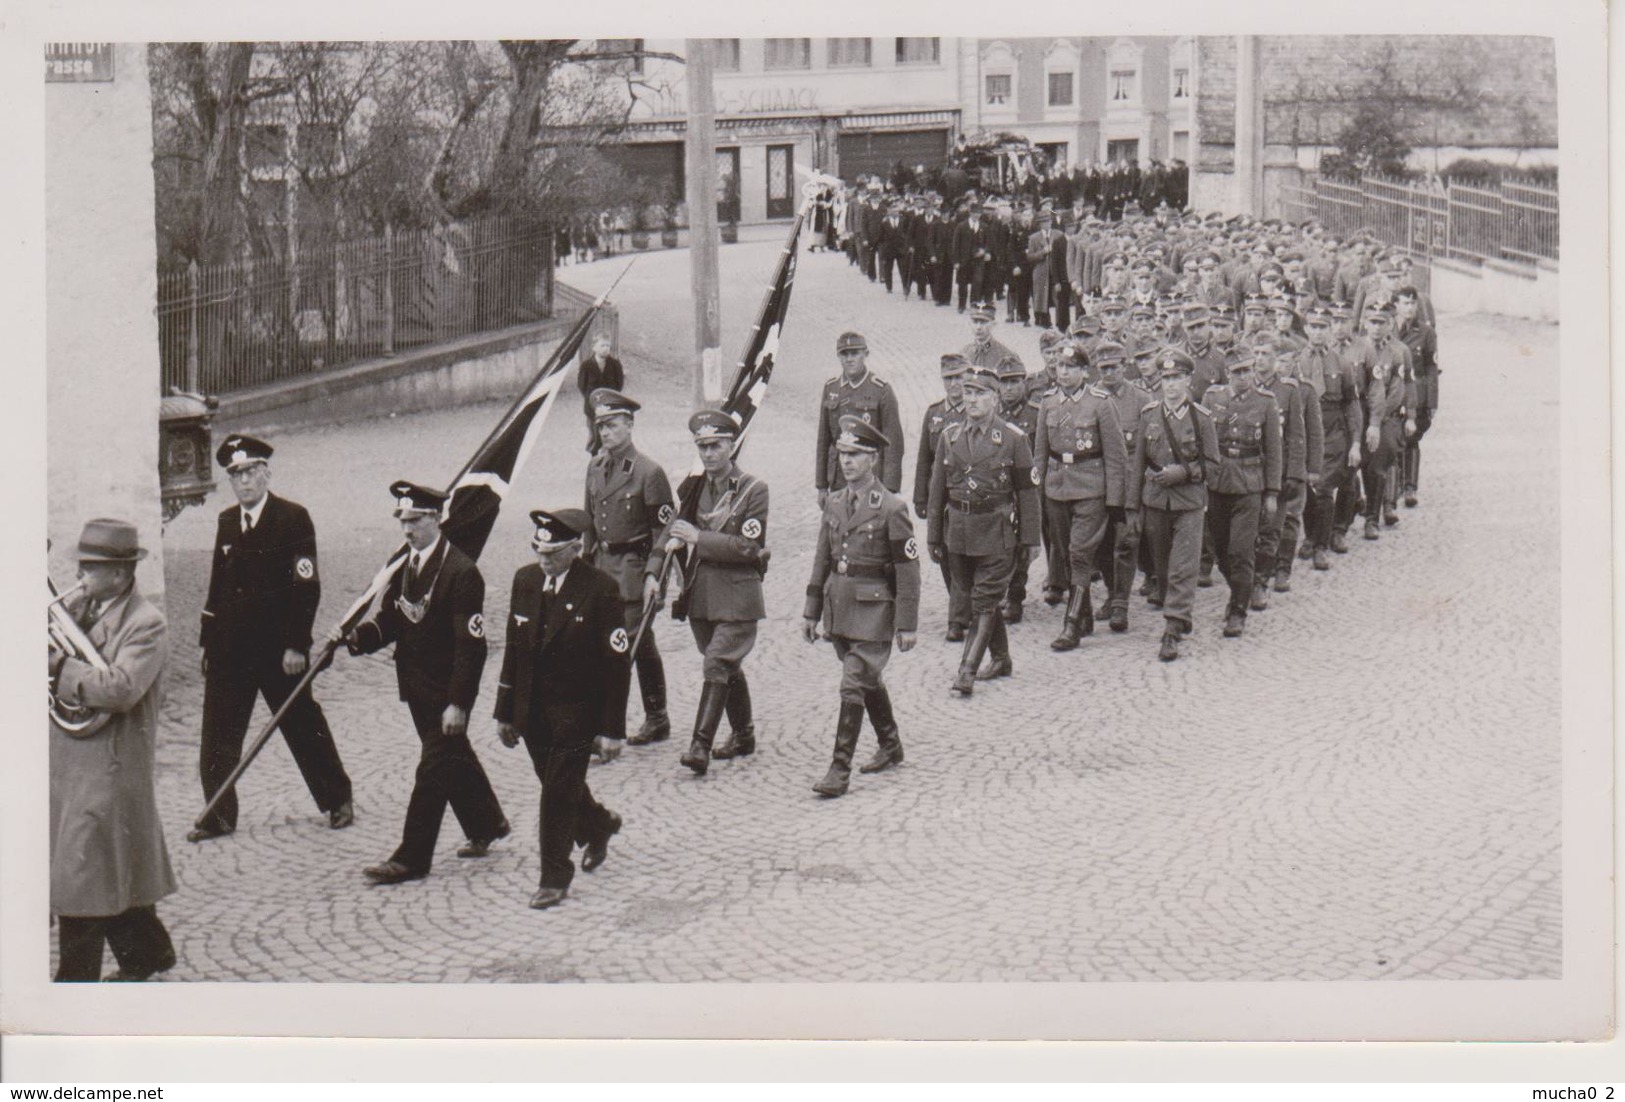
[71,639]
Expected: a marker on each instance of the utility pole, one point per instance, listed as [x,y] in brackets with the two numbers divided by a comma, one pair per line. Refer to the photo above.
[701,152]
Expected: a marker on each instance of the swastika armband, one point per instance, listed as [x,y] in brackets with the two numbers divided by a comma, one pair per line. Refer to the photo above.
[476,626]
[304,568]
[751,529]
[1024,477]
[906,550]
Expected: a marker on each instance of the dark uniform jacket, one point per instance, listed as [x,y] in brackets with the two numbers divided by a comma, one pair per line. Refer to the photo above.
[724,575]
[565,672]
[1127,403]
[438,660]
[991,354]
[972,249]
[872,401]
[1079,447]
[1391,368]
[1249,428]
[1419,337]
[984,490]
[1303,440]
[264,586]
[593,375]
[866,572]
[630,503]
[1194,445]
[1342,419]
[938,416]
[1210,369]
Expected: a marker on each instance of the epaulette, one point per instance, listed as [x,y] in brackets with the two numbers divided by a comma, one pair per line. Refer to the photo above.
[1264,390]
[878,379]
[1098,391]
[1015,428]
[1201,408]
[1035,401]
[1149,406]
[832,380]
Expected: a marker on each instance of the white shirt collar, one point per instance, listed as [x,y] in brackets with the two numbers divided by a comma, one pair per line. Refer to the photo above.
[253,514]
[550,584]
[428,552]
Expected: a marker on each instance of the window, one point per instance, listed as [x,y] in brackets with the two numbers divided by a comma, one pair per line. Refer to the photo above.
[919,51]
[787,53]
[1060,89]
[998,88]
[1182,83]
[727,55]
[319,144]
[845,52]
[1122,85]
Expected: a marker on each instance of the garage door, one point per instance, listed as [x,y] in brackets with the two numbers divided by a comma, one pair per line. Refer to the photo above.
[871,154]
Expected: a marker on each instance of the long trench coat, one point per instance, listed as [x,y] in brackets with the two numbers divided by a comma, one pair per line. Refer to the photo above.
[107,844]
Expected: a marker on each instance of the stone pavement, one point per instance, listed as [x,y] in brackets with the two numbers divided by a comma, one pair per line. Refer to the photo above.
[1364,786]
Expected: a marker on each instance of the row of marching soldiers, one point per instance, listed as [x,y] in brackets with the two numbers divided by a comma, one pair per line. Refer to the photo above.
[1169,448]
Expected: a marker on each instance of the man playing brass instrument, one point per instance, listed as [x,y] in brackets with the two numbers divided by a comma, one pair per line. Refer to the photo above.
[109,865]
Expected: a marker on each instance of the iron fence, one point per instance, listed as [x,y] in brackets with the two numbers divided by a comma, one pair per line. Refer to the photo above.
[231,326]
[1511,222]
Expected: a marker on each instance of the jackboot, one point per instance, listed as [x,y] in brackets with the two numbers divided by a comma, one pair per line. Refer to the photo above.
[999,646]
[1012,612]
[1072,625]
[741,741]
[713,698]
[846,741]
[975,647]
[1170,646]
[1086,613]
[1413,473]
[890,751]
[651,672]
[1261,595]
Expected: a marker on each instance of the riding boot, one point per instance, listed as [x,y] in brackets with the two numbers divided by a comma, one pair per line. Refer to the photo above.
[1072,625]
[712,700]
[890,751]
[999,646]
[975,647]
[741,741]
[846,742]
[652,680]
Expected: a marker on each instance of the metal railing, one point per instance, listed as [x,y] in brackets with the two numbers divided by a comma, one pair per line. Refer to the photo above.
[228,327]
[1511,222]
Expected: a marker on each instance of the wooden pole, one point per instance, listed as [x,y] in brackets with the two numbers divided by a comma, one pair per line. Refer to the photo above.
[701,152]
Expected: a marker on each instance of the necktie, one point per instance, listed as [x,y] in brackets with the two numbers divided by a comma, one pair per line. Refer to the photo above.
[88,616]
[248,520]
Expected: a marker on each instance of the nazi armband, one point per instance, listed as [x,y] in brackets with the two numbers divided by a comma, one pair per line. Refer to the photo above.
[905,550]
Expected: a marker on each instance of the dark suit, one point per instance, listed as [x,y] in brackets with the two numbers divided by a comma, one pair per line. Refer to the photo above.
[589,378]
[891,244]
[264,587]
[972,257]
[438,661]
[564,683]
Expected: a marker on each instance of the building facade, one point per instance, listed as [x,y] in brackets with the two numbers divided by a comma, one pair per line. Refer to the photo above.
[784,106]
[1084,99]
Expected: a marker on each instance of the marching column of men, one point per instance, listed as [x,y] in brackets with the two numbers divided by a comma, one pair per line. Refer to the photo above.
[1154,430]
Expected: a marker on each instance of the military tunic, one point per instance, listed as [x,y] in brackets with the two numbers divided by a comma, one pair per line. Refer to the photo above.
[1024,415]
[1084,461]
[1120,550]
[1171,514]
[984,503]
[1250,459]
[873,402]
[865,582]
[938,416]
[1301,438]
[1342,420]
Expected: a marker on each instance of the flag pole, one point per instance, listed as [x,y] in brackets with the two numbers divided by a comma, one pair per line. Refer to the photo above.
[320,660]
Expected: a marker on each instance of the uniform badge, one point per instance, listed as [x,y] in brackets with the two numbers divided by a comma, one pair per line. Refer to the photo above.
[751,529]
[874,499]
[1035,474]
[997,437]
[663,514]
[867,417]
[476,626]
[911,549]
[520,621]
[618,642]
[225,549]
[305,568]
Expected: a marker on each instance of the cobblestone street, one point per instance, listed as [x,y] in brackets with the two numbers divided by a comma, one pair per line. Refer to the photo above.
[1365,786]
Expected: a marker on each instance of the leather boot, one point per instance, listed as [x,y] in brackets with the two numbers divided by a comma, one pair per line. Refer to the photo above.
[956,634]
[999,645]
[1321,561]
[712,700]
[1071,627]
[890,751]
[1086,613]
[1235,621]
[975,647]
[1413,472]
[1170,646]
[1371,532]
[846,741]
[1340,542]
[1012,612]
[1261,595]
[1119,616]
[741,741]
[651,673]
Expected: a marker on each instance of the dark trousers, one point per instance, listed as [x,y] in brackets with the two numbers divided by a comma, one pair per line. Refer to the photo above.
[1328,501]
[1274,537]
[942,282]
[1016,594]
[1021,296]
[1376,471]
[229,692]
[448,773]
[1232,521]
[1078,528]
[1117,558]
[650,666]
[1175,539]
[889,260]
[1060,296]
[985,578]
[866,258]
[139,941]
[958,600]
[568,813]
[922,275]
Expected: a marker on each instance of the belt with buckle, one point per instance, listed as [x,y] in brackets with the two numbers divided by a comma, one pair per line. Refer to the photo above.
[1067,459]
[861,570]
[969,506]
[630,547]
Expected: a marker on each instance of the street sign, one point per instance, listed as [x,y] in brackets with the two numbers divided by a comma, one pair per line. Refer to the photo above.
[78,62]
